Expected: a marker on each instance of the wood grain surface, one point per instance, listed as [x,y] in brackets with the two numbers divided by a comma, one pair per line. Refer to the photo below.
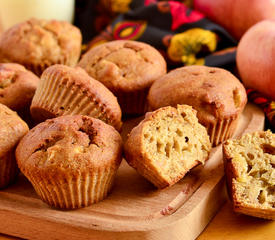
[134,210]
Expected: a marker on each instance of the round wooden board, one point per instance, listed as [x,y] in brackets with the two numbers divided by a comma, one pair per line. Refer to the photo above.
[135,209]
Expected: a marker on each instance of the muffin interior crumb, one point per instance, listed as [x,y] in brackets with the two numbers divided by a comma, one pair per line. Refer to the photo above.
[254,162]
[171,144]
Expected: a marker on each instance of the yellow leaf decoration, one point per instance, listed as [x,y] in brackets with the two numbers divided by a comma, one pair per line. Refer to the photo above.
[120,6]
[185,46]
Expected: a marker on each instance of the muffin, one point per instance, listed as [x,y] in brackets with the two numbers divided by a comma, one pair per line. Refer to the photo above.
[63,90]
[71,161]
[250,171]
[12,129]
[38,44]
[215,93]
[127,68]
[167,144]
[17,86]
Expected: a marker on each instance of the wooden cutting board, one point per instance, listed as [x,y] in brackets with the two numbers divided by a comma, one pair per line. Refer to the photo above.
[134,210]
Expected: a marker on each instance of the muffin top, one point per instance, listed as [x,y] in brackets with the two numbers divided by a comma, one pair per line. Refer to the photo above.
[124,65]
[214,92]
[12,129]
[17,85]
[69,144]
[39,42]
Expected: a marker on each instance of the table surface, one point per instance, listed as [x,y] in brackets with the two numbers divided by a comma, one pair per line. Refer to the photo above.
[227,225]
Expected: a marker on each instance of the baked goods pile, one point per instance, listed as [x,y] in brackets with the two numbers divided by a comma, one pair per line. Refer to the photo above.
[72,155]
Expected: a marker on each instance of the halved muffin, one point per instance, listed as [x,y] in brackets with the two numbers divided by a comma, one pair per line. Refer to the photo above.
[167,144]
[250,170]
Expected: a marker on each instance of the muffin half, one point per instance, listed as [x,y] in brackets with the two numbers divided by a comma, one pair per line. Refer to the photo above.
[216,94]
[167,144]
[71,161]
[250,170]
[12,129]
[63,90]
[38,44]
[127,68]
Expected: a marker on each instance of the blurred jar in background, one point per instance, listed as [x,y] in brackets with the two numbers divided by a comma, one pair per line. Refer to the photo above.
[15,11]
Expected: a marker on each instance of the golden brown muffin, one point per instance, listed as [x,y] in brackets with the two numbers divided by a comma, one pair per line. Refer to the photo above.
[63,90]
[38,44]
[167,144]
[17,86]
[71,161]
[127,68]
[250,170]
[12,129]
[215,93]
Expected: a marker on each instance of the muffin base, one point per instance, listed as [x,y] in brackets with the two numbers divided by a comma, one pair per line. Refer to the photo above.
[132,103]
[8,169]
[221,130]
[70,192]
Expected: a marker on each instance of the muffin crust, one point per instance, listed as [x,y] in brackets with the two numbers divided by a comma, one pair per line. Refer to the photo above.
[70,160]
[37,44]
[127,68]
[17,86]
[12,129]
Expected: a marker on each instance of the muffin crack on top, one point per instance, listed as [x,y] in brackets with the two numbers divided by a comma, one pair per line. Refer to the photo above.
[71,161]
[128,68]
[117,63]
[38,44]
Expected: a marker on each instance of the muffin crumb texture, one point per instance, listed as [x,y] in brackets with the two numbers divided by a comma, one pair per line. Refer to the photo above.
[250,171]
[167,144]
